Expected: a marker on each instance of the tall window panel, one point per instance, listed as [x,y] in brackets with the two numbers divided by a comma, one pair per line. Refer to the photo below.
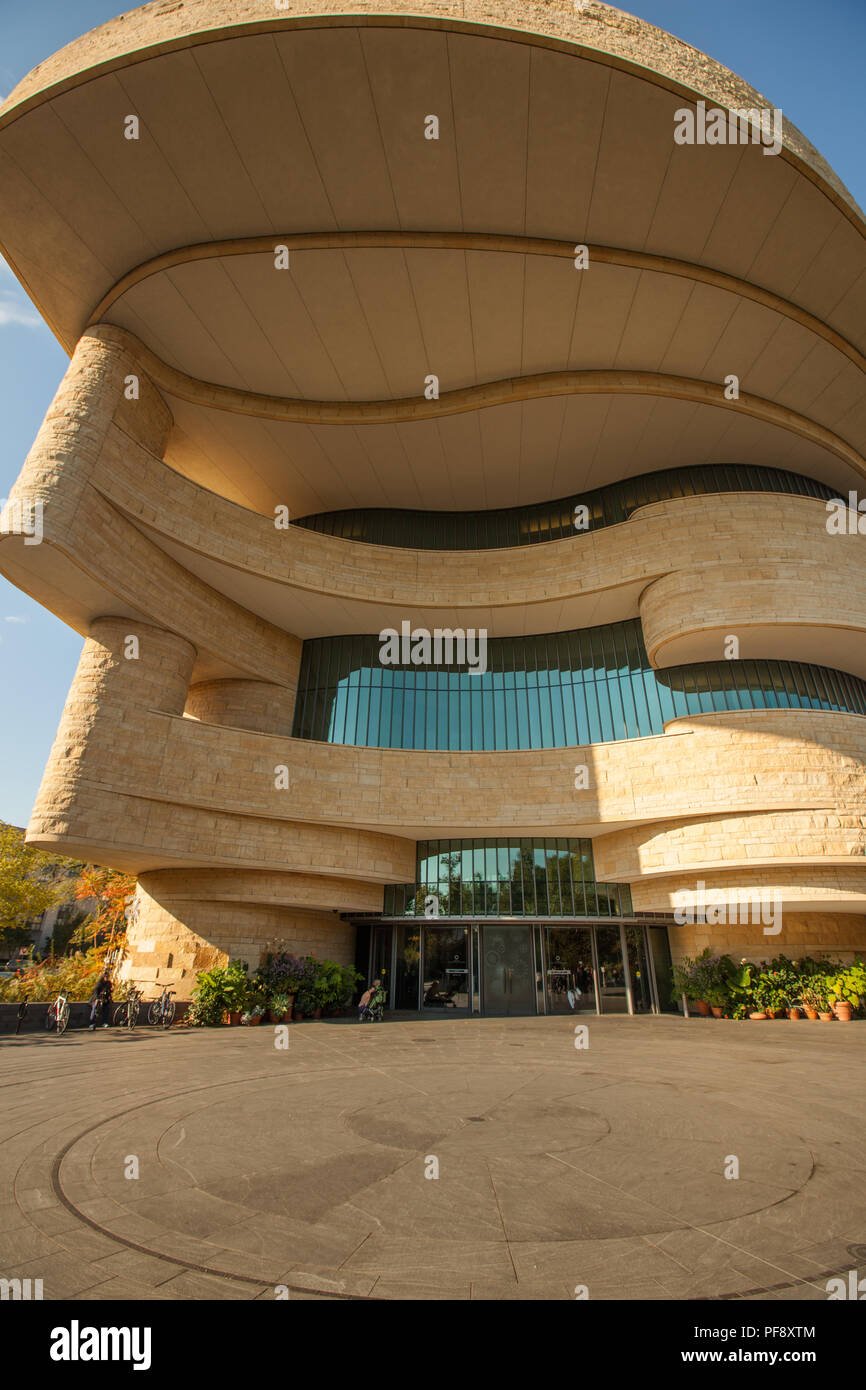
[559,690]
[506,877]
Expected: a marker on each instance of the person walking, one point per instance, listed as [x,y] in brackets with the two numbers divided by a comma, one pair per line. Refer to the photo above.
[100,999]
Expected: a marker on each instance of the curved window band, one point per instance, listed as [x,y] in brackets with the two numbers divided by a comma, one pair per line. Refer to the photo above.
[513,876]
[554,521]
[559,690]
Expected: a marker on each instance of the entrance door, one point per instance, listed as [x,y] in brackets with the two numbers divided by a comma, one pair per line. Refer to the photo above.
[446,983]
[508,972]
[613,991]
[380,961]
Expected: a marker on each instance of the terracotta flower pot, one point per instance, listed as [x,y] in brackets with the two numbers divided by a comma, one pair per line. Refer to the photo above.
[231,1020]
[810,1012]
[844,1011]
[703,1008]
[758,1014]
[255,1020]
[794,1012]
[717,1011]
[317,1013]
[827,1018]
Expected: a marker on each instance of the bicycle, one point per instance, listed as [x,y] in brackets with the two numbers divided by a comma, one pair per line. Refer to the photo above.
[127,1011]
[161,1011]
[57,1017]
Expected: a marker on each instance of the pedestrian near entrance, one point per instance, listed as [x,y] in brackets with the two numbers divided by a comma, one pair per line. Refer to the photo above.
[100,999]
[371,1003]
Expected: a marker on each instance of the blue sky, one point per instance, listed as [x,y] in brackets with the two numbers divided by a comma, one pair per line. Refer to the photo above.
[804,57]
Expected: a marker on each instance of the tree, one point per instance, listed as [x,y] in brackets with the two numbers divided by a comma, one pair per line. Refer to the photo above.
[28,886]
[113,892]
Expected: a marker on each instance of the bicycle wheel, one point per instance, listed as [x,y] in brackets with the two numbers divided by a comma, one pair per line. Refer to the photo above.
[132,1014]
[167,1014]
[62,1017]
[121,1015]
[153,1013]
[50,1018]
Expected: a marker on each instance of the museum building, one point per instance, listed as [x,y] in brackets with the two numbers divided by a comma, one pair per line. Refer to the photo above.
[432,322]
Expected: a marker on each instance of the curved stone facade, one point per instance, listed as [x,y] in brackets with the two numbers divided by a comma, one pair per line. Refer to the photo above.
[211,398]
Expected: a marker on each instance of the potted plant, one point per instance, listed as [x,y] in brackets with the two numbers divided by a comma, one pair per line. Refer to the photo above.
[305,999]
[350,978]
[246,1018]
[332,987]
[689,979]
[220,994]
[845,989]
[281,1007]
[768,994]
[256,1014]
[281,975]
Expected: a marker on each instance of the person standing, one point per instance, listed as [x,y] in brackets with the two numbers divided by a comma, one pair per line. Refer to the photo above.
[100,999]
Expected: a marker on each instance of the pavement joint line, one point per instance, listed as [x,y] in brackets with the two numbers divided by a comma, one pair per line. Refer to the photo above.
[703,1230]
[312,1050]
[144,1250]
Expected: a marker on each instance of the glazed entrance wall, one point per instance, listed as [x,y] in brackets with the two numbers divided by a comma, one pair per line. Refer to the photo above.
[508,969]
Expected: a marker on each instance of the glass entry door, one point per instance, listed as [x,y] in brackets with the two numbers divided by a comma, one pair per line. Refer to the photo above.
[380,961]
[446,984]
[612,988]
[508,973]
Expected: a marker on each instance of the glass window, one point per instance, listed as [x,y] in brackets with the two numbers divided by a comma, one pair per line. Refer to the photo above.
[548,521]
[565,690]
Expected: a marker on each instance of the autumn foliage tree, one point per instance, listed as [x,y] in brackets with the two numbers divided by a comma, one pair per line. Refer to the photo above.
[28,885]
[113,892]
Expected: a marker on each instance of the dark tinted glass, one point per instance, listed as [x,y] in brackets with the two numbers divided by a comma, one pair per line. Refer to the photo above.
[553,521]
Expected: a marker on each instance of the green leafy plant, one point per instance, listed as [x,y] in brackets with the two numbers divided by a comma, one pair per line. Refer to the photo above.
[814,994]
[279,1005]
[847,984]
[328,988]
[219,991]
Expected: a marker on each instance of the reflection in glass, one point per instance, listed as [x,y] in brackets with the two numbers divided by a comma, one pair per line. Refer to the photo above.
[641,987]
[663,967]
[570,972]
[507,878]
[611,972]
[407,967]
[445,986]
[544,691]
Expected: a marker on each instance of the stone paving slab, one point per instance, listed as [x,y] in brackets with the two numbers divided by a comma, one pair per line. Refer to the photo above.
[308,1167]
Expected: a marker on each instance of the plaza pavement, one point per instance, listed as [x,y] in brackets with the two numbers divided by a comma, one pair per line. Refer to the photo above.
[558,1167]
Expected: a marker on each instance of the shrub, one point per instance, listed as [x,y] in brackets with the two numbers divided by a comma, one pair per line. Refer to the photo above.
[282,973]
[74,976]
[223,990]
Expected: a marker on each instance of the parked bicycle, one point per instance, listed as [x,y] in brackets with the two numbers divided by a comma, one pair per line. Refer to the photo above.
[127,1011]
[161,1011]
[57,1017]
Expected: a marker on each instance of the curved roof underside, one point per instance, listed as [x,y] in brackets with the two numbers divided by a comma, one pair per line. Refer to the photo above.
[451,256]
